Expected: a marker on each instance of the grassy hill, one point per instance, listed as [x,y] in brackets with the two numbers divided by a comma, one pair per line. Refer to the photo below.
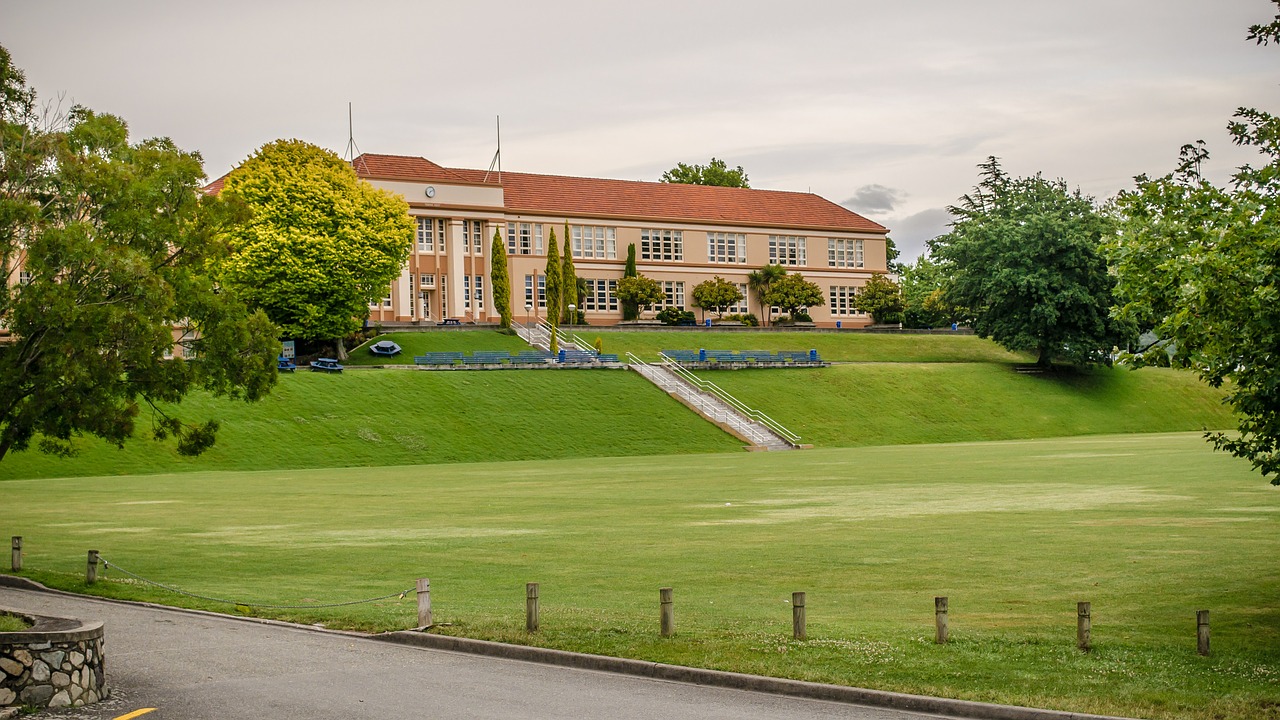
[898,403]
[403,417]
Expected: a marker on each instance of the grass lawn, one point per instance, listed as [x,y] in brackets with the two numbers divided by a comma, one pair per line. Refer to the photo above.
[404,417]
[1149,528]
[896,403]
[420,343]
[832,347]
[12,623]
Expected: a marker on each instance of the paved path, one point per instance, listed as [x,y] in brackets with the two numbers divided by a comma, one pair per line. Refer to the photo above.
[198,666]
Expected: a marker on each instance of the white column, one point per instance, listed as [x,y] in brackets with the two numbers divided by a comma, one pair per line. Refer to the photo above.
[456,270]
[404,296]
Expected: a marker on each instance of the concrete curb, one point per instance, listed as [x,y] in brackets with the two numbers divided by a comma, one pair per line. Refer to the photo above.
[638,668]
[734,681]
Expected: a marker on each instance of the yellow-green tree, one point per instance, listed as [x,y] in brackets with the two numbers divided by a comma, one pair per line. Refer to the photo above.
[554,280]
[321,244]
[568,280]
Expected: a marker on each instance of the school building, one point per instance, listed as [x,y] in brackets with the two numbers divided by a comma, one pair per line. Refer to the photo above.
[684,234]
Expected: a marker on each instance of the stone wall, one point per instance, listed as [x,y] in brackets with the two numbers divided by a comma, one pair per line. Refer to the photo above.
[58,662]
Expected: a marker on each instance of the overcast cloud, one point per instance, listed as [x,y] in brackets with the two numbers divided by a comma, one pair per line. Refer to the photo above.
[886,106]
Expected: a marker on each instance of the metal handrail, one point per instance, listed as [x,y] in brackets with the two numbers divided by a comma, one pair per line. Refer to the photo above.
[708,386]
[713,410]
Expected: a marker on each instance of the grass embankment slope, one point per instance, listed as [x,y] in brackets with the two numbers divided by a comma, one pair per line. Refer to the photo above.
[955,388]
[1149,528]
[387,417]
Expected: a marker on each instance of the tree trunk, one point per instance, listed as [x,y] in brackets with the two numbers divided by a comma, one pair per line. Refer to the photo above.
[342,350]
[1046,358]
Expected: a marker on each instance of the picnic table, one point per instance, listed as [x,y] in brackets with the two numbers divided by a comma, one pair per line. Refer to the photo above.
[326,365]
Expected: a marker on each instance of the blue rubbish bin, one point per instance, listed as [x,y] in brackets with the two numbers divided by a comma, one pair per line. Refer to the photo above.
[839,324]
[707,322]
[702,355]
[953,326]
[813,356]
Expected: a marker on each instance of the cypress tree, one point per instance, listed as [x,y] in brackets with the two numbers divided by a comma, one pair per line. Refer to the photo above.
[499,279]
[569,279]
[630,311]
[554,287]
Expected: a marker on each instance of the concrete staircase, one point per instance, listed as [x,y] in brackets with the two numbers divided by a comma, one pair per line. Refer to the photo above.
[713,403]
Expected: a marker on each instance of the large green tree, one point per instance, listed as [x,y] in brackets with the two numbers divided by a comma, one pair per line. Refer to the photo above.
[882,298]
[923,284]
[1200,265]
[759,282]
[106,248]
[715,172]
[639,291]
[716,294]
[793,294]
[1024,256]
[499,279]
[321,244]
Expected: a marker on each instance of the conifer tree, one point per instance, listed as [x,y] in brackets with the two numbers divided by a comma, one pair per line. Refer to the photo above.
[554,288]
[499,279]
[630,311]
[568,280]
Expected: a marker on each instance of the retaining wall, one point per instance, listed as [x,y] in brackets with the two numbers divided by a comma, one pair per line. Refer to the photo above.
[58,662]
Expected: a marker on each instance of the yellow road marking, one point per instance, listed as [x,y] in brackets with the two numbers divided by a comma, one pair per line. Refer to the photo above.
[135,713]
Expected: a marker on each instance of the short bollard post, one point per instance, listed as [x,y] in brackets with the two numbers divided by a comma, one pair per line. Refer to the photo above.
[531,607]
[1084,626]
[424,602]
[1202,632]
[668,618]
[940,620]
[797,616]
[15,557]
[91,568]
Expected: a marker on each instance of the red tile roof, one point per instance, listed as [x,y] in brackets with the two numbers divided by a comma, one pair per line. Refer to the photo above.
[594,197]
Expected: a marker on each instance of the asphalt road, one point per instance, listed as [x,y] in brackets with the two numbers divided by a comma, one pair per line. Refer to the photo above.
[206,667]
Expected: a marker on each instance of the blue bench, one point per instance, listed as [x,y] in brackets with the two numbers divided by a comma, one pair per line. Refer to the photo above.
[438,358]
[610,358]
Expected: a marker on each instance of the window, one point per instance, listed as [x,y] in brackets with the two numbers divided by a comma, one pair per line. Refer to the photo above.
[674,291]
[844,253]
[601,296]
[466,292]
[428,230]
[386,301]
[524,238]
[594,242]
[542,290]
[726,247]
[786,250]
[427,281]
[843,300]
[472,237]
[479,292]
[24,277]
[444,295]
[741,308]
[662,245]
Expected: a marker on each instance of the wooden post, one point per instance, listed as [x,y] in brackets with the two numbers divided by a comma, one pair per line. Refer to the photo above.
[1202,632]
[797,616]
[531,607]
[940,620]
[15,558]
[91,569]
[668,618]
[424,602]
[1084,626]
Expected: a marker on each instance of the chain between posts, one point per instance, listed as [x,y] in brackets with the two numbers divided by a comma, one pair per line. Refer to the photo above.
[170,588]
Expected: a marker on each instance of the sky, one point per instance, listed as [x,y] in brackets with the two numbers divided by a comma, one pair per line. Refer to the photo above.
[885,107]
